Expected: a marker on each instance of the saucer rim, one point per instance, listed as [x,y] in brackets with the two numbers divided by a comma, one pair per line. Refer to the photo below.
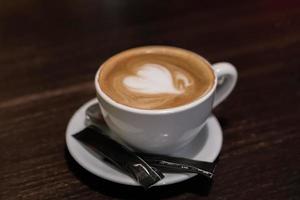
[169,178]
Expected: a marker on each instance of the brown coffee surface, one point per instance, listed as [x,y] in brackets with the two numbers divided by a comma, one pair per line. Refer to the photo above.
[155,77]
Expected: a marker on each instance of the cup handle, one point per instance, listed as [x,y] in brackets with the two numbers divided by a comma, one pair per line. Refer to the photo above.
[226,75]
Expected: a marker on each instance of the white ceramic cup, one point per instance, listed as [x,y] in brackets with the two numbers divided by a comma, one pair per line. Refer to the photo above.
[166,131]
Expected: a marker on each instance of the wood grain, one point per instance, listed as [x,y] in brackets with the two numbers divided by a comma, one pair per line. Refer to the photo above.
[50,51]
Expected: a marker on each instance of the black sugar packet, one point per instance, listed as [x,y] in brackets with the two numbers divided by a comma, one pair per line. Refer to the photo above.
[144,168]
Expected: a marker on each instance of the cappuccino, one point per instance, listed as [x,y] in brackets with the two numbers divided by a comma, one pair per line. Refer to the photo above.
[155,77]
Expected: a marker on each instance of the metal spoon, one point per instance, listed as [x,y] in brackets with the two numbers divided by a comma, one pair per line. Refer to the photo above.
[92,115]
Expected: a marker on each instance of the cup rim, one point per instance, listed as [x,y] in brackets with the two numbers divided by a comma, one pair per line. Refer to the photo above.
[156,111]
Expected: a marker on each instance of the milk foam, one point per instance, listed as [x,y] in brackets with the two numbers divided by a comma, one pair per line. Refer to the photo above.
[156,79]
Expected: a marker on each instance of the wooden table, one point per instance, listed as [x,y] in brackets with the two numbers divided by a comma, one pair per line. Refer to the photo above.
[50,51]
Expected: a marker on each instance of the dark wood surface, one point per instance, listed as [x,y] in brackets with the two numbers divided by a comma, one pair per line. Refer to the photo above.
[50,51]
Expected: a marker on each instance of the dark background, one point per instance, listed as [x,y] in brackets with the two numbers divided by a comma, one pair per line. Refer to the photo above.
[50,51]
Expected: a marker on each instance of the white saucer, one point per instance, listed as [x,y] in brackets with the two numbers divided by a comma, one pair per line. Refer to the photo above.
[206,147]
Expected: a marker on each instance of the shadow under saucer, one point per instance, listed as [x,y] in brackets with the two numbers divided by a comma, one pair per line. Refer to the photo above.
[198,185]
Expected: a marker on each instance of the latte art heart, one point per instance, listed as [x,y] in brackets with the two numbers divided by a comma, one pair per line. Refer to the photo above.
[156,79]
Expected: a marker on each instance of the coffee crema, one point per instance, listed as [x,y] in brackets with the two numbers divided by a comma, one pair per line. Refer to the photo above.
[155,77]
